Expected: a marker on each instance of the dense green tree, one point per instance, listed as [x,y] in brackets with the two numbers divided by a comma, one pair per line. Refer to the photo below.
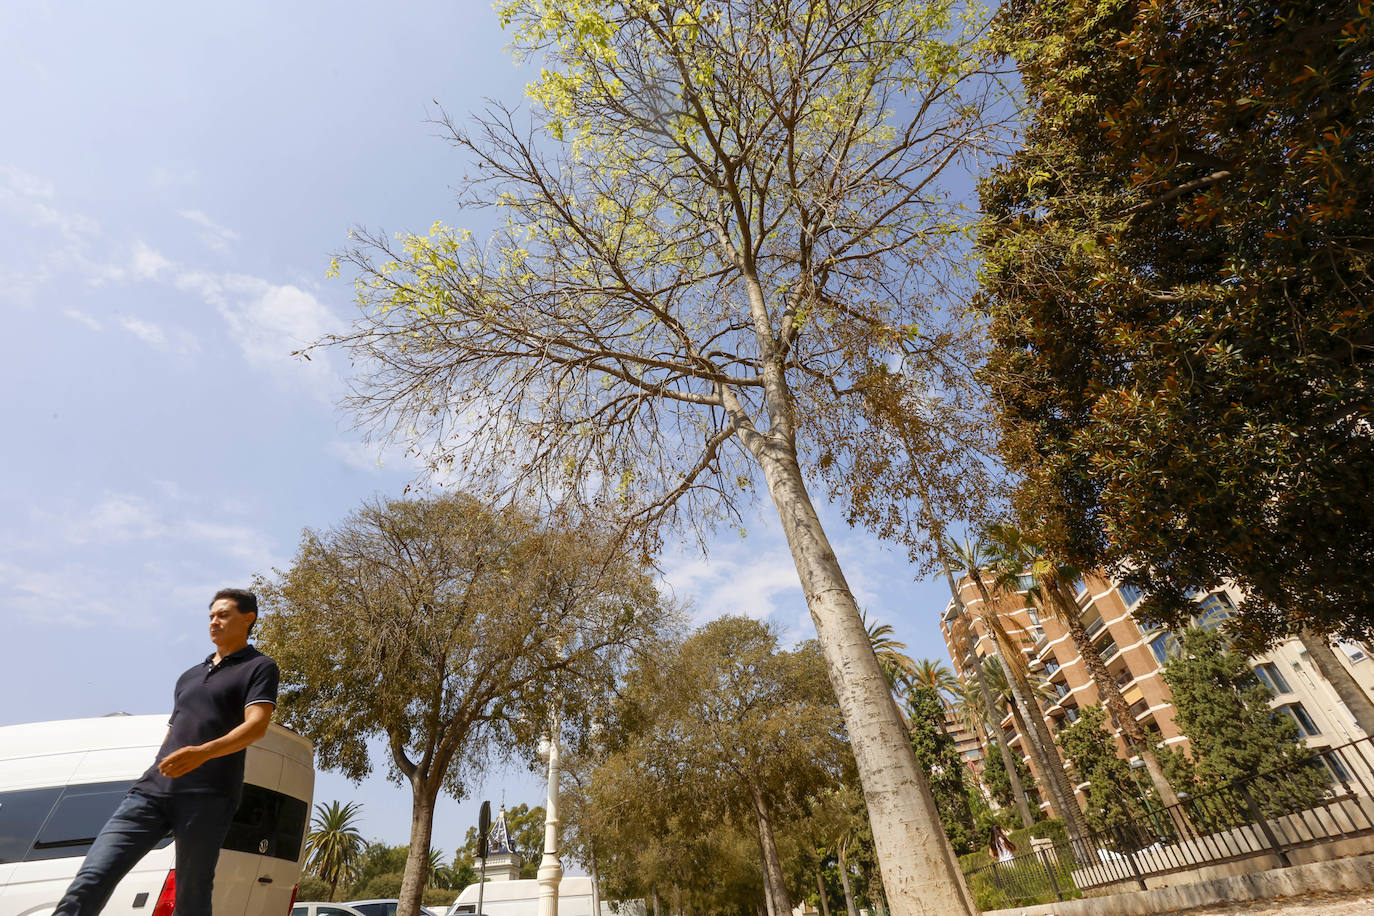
[1113,795]
[1178,279]
[725,727]
[334,843]
[936,751]
[727,263]
[443,626]
[1233,733]
[995,777]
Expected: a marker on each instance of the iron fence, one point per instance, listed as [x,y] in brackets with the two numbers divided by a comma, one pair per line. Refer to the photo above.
[1326,797]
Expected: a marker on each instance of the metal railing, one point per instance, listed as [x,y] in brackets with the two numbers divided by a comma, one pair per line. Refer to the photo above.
[1329,796]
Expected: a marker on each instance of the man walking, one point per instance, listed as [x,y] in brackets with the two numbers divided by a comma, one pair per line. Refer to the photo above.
[221,706]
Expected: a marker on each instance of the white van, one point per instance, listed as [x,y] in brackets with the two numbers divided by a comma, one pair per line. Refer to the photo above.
[60,782]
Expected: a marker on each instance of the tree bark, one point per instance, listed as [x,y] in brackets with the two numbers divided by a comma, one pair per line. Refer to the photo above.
[1018,791]
[849,907]
[820,890]
[1033,727]
[774,884]
[917,862]
[1338,676]
[417,859]
[1107,690]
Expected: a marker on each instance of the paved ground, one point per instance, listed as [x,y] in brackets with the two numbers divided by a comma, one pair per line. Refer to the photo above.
[1359,903]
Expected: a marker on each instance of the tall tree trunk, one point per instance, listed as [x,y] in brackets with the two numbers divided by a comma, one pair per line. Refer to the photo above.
[779,901]
[417,859]
[1347,688]
[849,907]
[917,862]
[820,891]
[1032,724]
[1018,791]
[1066,609]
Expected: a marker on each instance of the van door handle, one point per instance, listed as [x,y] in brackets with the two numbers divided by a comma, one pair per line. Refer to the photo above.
[265,880]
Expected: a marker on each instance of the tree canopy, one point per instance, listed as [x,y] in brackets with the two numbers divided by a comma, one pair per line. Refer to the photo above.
[729,255]
[727,727]
[1178,281]
[446,628]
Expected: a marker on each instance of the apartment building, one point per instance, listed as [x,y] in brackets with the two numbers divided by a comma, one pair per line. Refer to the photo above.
[1135,654]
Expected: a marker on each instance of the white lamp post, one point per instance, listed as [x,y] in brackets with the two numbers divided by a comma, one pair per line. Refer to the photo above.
[550,871]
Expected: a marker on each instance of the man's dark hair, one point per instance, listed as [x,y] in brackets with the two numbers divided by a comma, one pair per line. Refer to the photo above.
[245,601]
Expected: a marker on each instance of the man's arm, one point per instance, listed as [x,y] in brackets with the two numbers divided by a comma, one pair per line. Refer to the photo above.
[183,760]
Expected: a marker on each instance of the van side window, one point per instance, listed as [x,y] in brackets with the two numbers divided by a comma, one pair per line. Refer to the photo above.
[21,814]
[76,819]
[268,823]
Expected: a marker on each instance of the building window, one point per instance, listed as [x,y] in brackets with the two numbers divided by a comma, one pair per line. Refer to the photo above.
[1272,678]
[1025,582]
[1353,650]
[1165,646]
[1070,714]
[1212,611]
[1079,586]
[1106,649]
[1130,594]
[1306,727]
[1051,664]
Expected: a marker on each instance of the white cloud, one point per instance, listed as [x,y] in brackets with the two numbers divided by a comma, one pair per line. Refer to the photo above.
[371,458]
[739,577]
[177,340]
[146,263]
[268,322]
[212,235]
[82,318]
[68,564]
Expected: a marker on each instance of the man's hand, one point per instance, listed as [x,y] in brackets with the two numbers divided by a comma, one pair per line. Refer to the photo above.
[182,761]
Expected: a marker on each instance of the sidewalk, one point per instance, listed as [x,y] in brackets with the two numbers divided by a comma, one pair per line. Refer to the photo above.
[1359,903]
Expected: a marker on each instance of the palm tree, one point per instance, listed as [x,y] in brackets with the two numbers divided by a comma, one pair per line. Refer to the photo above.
[437,874]
[962,630]
[334,842]
[940,680]
[897,666]
[1013,554]
[1030,717]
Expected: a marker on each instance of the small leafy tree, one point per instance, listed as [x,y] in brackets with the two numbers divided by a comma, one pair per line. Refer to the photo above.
[440,625]
[727,727]
[1113,795]
[1233,733]
[936,751]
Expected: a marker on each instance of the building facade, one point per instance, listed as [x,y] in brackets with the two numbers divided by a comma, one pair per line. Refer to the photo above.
[1135,653]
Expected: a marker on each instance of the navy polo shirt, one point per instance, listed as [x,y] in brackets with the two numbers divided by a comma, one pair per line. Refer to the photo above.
[209,704]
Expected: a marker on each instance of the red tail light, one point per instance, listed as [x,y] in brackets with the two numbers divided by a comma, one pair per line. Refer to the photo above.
[167,900]
[295,889]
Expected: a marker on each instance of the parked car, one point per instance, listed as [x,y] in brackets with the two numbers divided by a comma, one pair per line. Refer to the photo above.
[318,908]
[383,907]
[61,781]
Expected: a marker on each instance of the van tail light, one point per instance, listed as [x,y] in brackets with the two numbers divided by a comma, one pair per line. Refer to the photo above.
[167,900]
[295,889]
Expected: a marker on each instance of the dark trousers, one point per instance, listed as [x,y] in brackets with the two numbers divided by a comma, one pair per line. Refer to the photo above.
[198,822]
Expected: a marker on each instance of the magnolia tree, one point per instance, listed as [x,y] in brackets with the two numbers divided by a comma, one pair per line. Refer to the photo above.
[729,257]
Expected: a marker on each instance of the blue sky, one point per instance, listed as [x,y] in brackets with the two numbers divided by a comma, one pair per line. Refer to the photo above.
[173,179]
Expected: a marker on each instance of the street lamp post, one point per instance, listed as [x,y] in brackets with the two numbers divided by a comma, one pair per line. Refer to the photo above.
[550,871]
